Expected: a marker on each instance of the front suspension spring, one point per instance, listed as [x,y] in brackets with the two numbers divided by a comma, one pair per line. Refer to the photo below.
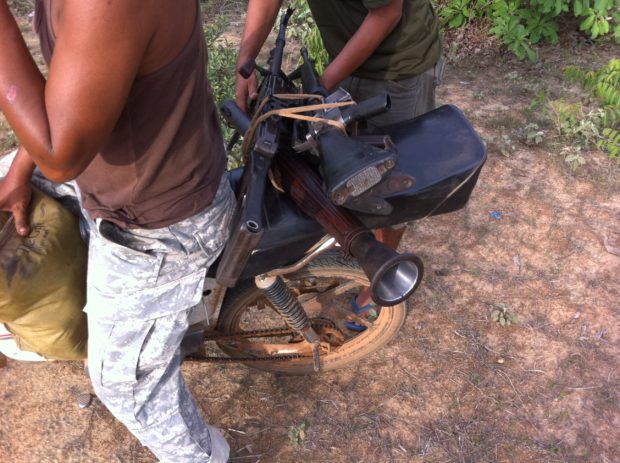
[287,305]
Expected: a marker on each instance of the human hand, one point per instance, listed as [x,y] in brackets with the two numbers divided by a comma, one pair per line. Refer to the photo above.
[245,89]
[15,197]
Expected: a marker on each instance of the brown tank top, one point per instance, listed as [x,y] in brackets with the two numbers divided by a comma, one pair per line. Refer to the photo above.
[164,159]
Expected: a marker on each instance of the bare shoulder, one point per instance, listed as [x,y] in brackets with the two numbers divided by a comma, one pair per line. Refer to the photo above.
[107,17]
[142,17]
[106,10]
[163,27]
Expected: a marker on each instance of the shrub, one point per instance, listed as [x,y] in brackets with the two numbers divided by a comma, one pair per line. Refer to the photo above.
[604,84]
[222,72]
[521,24]
[303,28]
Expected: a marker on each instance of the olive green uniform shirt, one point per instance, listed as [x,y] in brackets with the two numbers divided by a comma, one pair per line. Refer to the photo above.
[410,49]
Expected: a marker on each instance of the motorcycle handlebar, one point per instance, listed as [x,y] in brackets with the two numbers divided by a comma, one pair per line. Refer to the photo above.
[235,116]
[367,108]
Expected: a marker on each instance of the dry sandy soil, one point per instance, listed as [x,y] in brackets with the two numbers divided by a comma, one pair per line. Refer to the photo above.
[454,386]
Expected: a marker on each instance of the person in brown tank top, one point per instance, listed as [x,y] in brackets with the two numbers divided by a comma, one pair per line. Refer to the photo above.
[127,113]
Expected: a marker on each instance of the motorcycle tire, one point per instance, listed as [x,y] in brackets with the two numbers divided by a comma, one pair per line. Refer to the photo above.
[325,288]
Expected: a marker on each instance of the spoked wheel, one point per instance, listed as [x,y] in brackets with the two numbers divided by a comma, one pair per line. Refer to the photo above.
[325,288]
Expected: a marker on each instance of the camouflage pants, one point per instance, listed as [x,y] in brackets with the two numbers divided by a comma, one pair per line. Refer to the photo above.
[141,287]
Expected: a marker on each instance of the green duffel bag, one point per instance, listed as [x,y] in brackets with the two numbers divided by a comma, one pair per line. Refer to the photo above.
[43,281]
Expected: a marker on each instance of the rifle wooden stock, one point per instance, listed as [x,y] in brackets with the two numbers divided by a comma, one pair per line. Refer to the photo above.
[393,276]
[304,187]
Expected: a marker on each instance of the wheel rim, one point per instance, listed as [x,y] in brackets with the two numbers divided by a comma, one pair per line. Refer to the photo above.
[325,297]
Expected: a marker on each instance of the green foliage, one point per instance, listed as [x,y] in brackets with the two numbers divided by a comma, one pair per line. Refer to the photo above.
[458,13]
[519,24]
[564,115]
[503,143]
[301,20]
[573,156]
[533,135]
[588,129]
[583,130]
[510,29]
[600,19]
[316,50]
[539,26]
[610,142]
[297,434]
[303,28]
[503,316]
[599,125]
[604,84]
[222,63]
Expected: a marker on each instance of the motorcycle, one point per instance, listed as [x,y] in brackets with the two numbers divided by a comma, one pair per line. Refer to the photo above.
[312,187]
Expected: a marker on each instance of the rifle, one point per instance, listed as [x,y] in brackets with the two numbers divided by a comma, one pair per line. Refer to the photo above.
[349,168]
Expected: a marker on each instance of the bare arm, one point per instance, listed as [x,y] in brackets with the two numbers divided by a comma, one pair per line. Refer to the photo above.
[261,14]
[374,29]
[63,123]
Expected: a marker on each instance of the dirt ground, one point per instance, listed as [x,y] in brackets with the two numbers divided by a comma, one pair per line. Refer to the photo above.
[454,386]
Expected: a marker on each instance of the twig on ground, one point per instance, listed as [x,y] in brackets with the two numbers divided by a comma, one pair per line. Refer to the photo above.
[237,431]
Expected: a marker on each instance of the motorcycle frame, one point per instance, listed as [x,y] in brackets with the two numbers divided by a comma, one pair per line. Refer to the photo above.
[215,293]
[350,230]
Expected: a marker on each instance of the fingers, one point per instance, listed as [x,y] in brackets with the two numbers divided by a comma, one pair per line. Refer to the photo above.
[245,89]
[15,197]
[20,214]
[252,88]
[241,94]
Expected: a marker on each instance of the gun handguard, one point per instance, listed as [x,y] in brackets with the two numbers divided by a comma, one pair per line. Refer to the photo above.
[247,224]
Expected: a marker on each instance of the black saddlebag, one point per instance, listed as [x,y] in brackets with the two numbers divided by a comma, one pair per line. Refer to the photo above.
[439,149]
[444,155]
